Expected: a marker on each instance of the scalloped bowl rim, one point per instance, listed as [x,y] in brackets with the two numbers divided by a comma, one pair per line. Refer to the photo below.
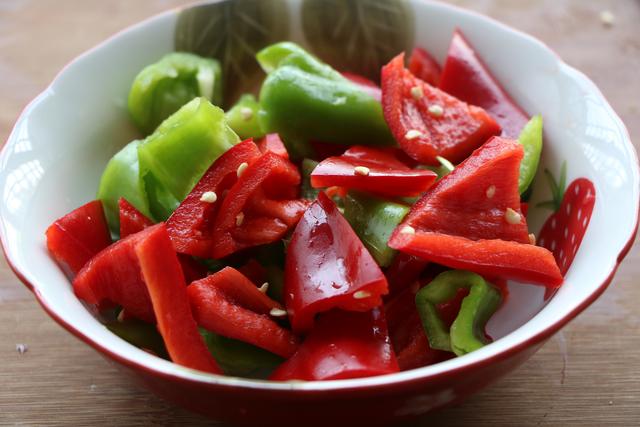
[479,358]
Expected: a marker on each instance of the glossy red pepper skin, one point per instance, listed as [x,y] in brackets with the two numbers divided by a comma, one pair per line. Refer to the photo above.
[131,219]
[166,286]
[229,304]
[327,267]
[259,208]
[466,77]
[423,66]
[271,142]
[191,224]
[386,175]
[342,345]
[78,236]
[471,220]
[452,132]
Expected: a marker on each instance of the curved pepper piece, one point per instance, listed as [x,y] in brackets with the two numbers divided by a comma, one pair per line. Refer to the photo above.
[342,345]
[423,66]
[160,89]
[374,170]
[328,267]
[467,331]
[304,99]
[168,291]
[531,140]
[229,304]
[428,122]
[466,77]
[78,236]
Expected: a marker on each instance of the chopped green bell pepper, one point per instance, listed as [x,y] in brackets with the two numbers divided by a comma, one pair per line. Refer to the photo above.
[531,140]
[306,190]
[243,117]
[121,178]
[304,99]
[160,89]
[141,334]
[177,154]
[374,219]
[467,331]
[238,358]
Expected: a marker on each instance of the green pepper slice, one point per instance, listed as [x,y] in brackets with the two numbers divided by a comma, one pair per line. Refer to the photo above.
[467,331]
[374,219]
[531,140]
[243,117]
[160,89]
[177,154]
[141,334]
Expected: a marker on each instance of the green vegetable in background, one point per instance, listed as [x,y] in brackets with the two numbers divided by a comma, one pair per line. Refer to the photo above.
[121,178]
[243,117]
[177,154]
[531,140]
[467,331]
[160,89]
[374,219]
[303,99]
[239,358]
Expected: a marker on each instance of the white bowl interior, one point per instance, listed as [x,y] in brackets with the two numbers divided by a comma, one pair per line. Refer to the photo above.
[60,145]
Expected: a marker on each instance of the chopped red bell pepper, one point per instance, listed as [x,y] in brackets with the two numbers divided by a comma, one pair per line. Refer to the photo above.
[131,219]
[228,304]
[428,122]
[327,267]
[191,224]
[342,345]
[423,66]
[259,208]
[403,271]
[113,275]
[466,77]
[166,286]
[367,86]
[271,142]
[374,170]
[78,236]
[476,208]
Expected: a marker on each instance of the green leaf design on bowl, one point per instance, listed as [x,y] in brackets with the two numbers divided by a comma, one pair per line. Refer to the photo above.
[232,32]
[358,36]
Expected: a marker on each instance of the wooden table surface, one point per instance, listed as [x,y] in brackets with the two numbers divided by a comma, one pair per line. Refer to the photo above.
[588,374]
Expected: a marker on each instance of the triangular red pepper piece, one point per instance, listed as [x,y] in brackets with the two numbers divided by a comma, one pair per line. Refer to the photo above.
[342,345]
[475,200]
[230,305]
[374,170]
[166,286]
[131,219]
[191,224]
[476,209]
[466,77]
[78,236]
[428,122]
[423,66]
[241,221]
[328,267]
[114,275]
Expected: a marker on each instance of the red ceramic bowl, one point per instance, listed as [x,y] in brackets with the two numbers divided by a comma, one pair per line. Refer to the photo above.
[61,143]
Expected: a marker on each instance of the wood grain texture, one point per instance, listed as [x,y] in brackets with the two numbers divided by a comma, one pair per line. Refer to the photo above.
[589,374]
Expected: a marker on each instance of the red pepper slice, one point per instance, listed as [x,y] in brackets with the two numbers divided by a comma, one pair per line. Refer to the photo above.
[79,235]
[113,275]
[328,267]
[191,224]
[228,304]
[374,170]
[342,345]
[266,186]
[466,77]
[475,210]
[165,282]
[271,142]
[423,66]
[428,122]
[131,219]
